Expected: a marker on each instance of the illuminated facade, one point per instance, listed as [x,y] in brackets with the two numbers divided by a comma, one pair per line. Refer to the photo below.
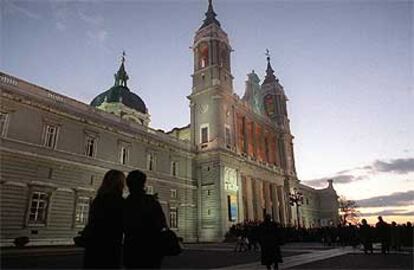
[233,162]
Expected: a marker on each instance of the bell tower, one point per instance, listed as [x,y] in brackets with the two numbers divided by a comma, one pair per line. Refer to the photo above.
[211,55]
[275,107]
[212,83]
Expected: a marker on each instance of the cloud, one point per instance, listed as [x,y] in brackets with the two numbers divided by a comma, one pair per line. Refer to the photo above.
[61,14]
[398,166]
[394,199]
[388,212]
[99,35]
[338,179]
[395,166]
[11,6]
[90,19]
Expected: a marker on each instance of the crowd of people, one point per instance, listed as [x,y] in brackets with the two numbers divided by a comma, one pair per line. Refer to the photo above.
[391,236]
[131,230]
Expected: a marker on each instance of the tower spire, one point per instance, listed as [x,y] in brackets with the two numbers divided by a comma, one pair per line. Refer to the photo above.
[270,76]
[210,16]
[121,77]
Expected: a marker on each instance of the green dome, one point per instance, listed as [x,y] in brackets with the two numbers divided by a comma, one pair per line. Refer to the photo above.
[122,95]
[119,93]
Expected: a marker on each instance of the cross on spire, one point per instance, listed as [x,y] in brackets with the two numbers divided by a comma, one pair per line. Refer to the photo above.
[210,15]
[121,77]
[270,77]
[123,56]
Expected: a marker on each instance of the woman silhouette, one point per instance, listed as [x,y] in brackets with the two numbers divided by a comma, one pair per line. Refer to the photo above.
[103,233]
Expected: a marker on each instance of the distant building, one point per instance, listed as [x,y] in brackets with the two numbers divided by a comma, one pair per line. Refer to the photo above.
[233,162]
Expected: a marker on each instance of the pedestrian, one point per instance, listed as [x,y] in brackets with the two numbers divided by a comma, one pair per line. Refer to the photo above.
[143,222]
[269,236]
[365,233]
[395,236]
[102,235]
[383,234]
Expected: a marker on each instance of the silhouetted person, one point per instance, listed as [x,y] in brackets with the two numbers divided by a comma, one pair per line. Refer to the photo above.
[395,235]
[269,242]
[383,234]
[103,233]
[143,222]
[365,233]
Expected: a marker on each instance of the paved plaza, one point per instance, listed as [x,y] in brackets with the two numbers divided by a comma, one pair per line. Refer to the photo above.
[221,256]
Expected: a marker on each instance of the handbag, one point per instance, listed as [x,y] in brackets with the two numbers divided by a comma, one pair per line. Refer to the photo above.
[84,237]
[170,244]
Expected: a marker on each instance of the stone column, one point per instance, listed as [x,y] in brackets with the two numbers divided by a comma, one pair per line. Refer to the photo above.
[275,203]
[259,199]
[267,197]
[282,208]
[249,198]
[240,192]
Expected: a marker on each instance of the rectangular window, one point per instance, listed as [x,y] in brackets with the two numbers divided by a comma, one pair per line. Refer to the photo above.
[90,146]
[174,168]
[82,210]
[173,194]
[173,218]
[124,155]
[266,145]
[204,135]
[38,207]
[150,190]
[151,162]
[51,133]
[228,137]
[3,123]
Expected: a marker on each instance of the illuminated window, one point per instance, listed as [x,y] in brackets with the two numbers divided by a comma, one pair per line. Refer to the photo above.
[90,146]
[124,155]
[3,123]
[173,214]
[228,137]
[82,210]
[151,161]
[173,194]
[51,133]
[204,134]
[174,168]
[203,55]
[38,207]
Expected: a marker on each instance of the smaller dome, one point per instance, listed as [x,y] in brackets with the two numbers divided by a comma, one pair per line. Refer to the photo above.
[119,93]
[122,95]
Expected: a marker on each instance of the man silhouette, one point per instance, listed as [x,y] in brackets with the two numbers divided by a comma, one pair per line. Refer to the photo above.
[143,221]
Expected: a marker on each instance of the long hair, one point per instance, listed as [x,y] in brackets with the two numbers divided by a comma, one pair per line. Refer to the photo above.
[112,183]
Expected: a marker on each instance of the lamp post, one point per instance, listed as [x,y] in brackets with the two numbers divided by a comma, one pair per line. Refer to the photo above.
[296,197]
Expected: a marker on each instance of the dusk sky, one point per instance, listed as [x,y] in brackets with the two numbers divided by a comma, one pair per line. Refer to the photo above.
[346,66]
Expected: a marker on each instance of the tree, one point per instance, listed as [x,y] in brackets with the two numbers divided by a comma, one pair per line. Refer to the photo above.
[348,211]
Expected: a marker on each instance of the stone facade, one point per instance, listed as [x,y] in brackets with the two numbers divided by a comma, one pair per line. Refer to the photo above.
[233,162]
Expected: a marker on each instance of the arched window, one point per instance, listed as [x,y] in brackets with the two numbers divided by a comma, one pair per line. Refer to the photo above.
[203,55]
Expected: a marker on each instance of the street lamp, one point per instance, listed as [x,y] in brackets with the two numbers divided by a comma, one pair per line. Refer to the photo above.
[296,197]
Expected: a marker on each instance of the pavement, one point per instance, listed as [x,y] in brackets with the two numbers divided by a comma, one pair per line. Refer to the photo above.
[220,256]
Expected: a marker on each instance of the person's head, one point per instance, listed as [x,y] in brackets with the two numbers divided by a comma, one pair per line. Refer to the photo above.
[364,221]
[380,218]
[136,181]
[112,183]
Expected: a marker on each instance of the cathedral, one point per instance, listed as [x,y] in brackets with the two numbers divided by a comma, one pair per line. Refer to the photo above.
[233,162]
